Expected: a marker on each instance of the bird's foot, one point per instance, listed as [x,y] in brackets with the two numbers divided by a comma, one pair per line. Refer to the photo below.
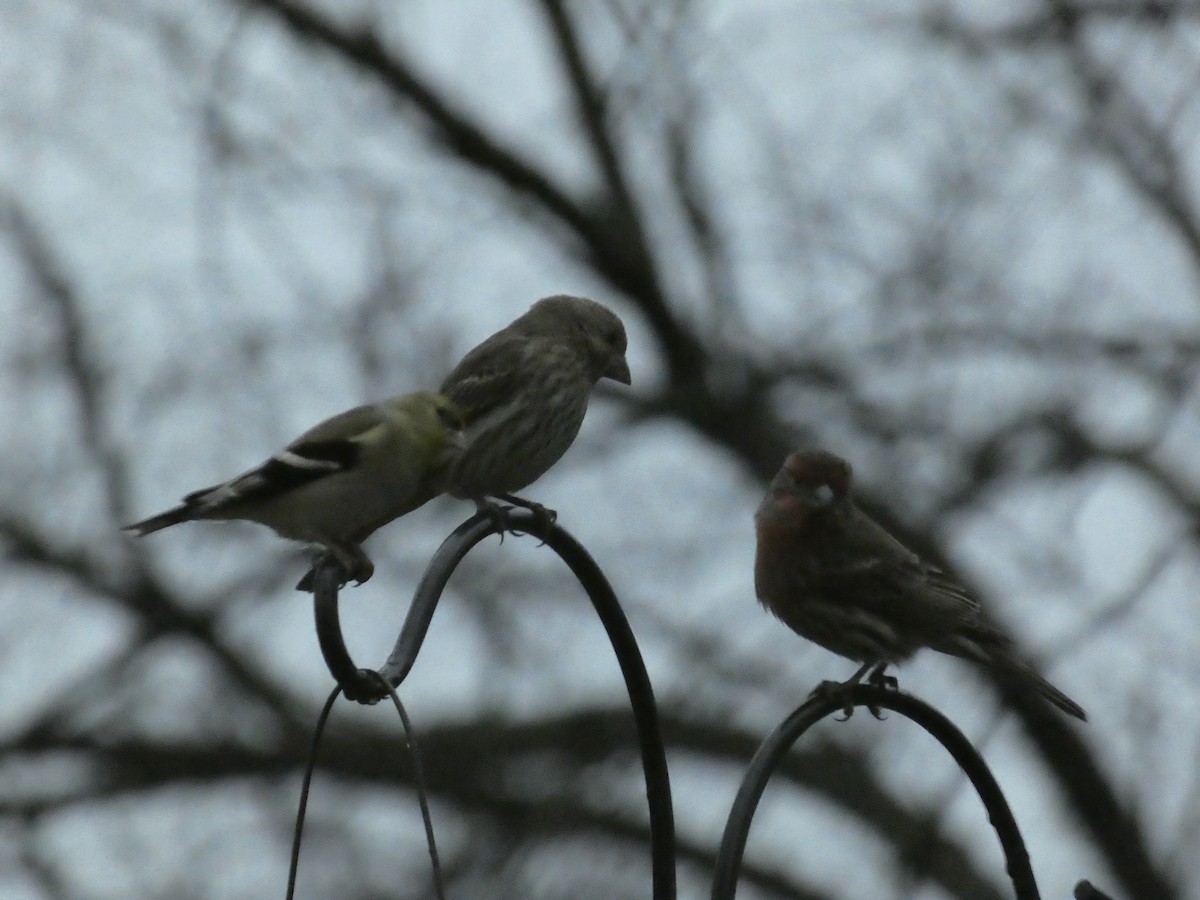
[842,691]
[496,512]
[878,679]
[544,516]
[837,691]
[354,562]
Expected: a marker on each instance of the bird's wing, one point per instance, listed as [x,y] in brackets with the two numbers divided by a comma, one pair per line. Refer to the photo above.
[345,426]
[487,375]
[875,571]
[332,446]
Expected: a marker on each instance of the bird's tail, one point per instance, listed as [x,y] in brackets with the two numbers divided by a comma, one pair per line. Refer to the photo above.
[181,513]
[990,647]
[1020,671]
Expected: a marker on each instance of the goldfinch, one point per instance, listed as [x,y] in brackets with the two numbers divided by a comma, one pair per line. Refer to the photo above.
[340,480]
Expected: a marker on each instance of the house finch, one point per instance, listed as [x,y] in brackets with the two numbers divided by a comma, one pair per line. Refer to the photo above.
[836,577]
[523,393]
[339,481]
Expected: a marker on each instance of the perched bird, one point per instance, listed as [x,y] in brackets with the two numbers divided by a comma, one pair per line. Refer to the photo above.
[339,481]
[836,577]
[523,393]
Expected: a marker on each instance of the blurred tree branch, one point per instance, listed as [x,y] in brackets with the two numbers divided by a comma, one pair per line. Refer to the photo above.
[474,765]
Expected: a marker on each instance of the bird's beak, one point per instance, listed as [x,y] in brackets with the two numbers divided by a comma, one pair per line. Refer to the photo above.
[618,370]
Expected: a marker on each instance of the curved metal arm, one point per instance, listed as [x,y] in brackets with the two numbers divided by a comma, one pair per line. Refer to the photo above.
[775,747]
[361,684]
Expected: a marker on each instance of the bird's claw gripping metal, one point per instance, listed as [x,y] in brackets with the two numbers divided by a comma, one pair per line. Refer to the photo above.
[544,516]
[841,691]
[838,691]
[496,513]
[355,565]
[880,680]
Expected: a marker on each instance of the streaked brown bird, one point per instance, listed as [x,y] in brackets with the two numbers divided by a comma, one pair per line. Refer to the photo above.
[524,391]
[836,577]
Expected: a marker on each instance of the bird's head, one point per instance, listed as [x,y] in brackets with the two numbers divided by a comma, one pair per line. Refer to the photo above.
[602,332]
[809,482]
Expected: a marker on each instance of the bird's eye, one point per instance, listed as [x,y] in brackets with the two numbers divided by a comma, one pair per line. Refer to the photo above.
[824,494]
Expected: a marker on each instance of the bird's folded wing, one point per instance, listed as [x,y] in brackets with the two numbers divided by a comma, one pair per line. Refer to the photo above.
[487,375]
[333,446]
[897,593]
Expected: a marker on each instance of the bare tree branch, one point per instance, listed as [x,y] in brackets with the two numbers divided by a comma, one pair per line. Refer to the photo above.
[463,762]
[157,611]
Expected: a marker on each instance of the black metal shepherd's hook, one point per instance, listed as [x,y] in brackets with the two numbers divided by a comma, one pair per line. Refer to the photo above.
[777,744]
[362,685]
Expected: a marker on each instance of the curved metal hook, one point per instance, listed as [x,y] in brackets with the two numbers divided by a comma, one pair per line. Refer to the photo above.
[361,684]
[771,752]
